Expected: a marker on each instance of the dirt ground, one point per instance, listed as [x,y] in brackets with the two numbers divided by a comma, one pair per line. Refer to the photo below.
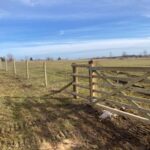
[33,119]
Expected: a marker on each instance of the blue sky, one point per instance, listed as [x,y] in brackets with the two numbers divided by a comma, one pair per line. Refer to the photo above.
[74,28]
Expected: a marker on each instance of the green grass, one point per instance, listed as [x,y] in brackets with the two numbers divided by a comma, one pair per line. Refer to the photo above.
[32,118]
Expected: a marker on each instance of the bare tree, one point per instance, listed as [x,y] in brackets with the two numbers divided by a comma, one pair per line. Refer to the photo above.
[31,59]
[110,54]
[145,53]
[26,58]
[2,58]
[10,57]
[49,59]
[59,58]
[124,54]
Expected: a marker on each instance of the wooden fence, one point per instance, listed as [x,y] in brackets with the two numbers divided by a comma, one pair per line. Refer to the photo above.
[122,90]
[27,69]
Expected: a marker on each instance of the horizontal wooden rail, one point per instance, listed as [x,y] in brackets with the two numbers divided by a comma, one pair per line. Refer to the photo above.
[84,76]
[119,112]
[140,90]
[126,79]
[80,75]
[133,98]
[131,69]
[118,78]
[80,65]
[120,104]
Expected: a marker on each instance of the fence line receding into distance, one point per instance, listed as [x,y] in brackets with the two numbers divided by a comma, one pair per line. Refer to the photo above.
[5,66]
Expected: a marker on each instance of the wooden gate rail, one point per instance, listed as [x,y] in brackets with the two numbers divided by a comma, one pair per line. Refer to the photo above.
[128,69]
[119,112]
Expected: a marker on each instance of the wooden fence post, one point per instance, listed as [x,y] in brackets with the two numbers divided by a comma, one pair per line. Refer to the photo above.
[45,73]
[27,69]
[75,80]
[1,64]
[6,65]
[92,80]
[14,66]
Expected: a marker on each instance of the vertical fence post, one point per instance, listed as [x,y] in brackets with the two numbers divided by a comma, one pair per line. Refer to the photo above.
[27,69]
[92,80]
[45,74]
[75,80]
[6,65]
[14,66]
[1,64]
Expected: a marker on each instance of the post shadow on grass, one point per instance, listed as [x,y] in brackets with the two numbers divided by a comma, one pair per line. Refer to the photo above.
[54,118]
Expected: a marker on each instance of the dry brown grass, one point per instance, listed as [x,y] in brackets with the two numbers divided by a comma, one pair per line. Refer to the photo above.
[33,119]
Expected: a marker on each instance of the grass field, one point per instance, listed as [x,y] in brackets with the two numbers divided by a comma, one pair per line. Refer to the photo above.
[31,118]
[58,72]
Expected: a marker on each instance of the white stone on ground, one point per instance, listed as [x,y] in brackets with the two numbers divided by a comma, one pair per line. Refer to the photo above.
[107,115]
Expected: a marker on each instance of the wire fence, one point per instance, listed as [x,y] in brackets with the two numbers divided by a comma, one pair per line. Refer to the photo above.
[42,73]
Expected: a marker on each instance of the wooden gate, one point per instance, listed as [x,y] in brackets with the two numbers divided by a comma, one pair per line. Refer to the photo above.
[122,90]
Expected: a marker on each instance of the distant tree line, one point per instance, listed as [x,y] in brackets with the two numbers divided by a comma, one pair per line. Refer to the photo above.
[125,55]
[2,58]
[11,58]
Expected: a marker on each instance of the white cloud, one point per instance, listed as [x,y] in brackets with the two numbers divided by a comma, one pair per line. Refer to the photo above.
[147,15]
[83,46]
[82,29]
